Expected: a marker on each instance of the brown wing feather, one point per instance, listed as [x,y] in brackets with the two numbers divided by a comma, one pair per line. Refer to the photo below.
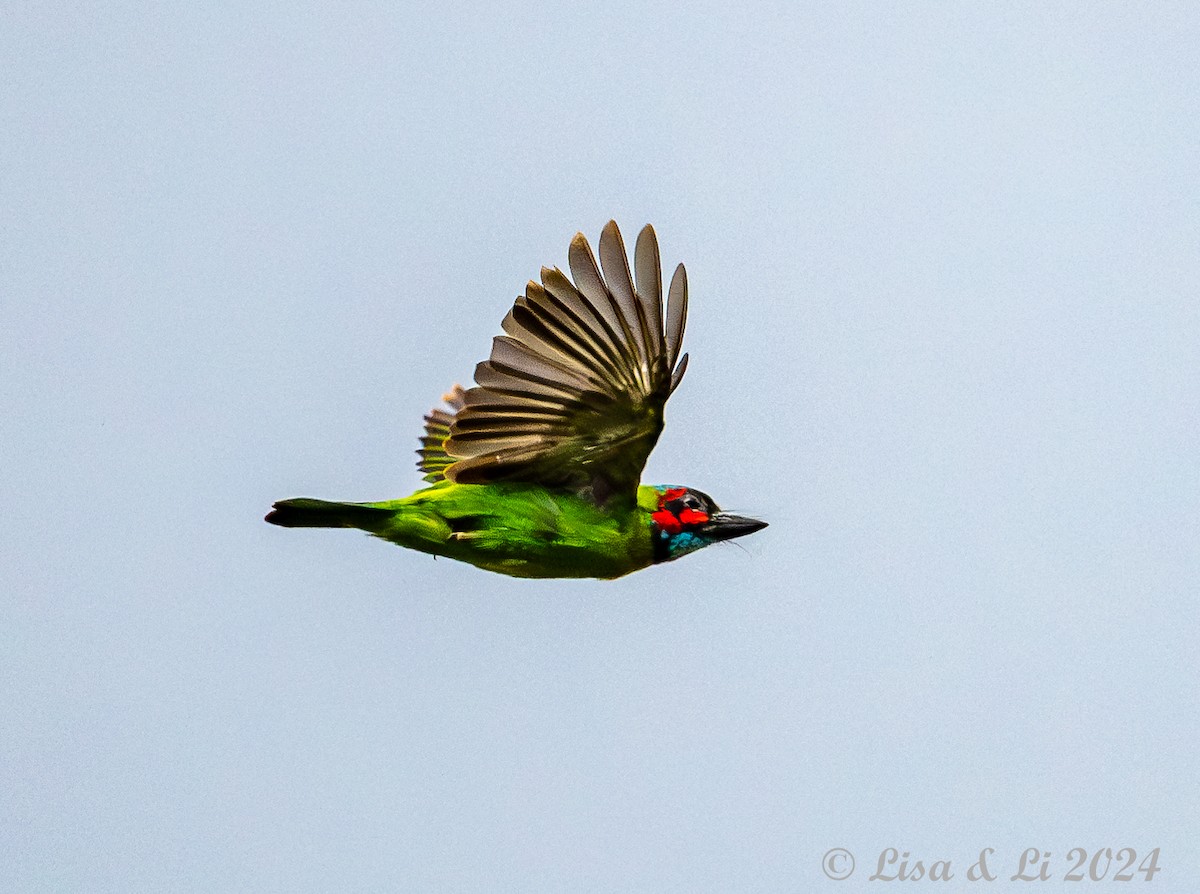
[573,393]
[433,456]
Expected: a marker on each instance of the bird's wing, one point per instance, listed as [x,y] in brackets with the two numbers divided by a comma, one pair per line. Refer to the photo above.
[573,394]
[434,458]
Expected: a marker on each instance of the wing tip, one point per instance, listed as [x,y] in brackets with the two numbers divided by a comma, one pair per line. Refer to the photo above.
[677,373]
[455,397]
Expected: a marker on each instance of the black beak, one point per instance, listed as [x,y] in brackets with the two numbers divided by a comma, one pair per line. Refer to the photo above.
[723,526]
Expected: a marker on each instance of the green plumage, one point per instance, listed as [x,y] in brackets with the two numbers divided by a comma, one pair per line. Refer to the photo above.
[535,472]
[516,529]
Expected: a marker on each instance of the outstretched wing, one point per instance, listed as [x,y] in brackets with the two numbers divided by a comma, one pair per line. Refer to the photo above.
[573,394]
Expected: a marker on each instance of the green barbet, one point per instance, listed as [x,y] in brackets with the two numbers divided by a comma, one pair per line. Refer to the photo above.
[535,472]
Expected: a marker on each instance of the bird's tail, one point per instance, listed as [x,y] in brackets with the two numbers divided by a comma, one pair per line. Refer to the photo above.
[308,513]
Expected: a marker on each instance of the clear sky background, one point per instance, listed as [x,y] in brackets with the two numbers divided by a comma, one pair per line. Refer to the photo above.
[945,337]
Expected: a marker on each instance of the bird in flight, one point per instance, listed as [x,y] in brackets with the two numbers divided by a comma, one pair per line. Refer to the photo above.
[535,472]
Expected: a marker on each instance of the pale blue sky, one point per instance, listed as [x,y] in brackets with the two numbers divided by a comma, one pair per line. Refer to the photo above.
[945,337]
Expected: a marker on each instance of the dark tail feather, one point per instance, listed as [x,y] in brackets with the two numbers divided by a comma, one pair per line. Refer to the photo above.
[308,513]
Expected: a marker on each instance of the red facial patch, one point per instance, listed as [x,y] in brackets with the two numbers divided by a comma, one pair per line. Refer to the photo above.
[671,493]
[667,522]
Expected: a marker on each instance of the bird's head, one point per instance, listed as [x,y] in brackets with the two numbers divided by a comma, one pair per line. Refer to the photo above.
[684,520]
